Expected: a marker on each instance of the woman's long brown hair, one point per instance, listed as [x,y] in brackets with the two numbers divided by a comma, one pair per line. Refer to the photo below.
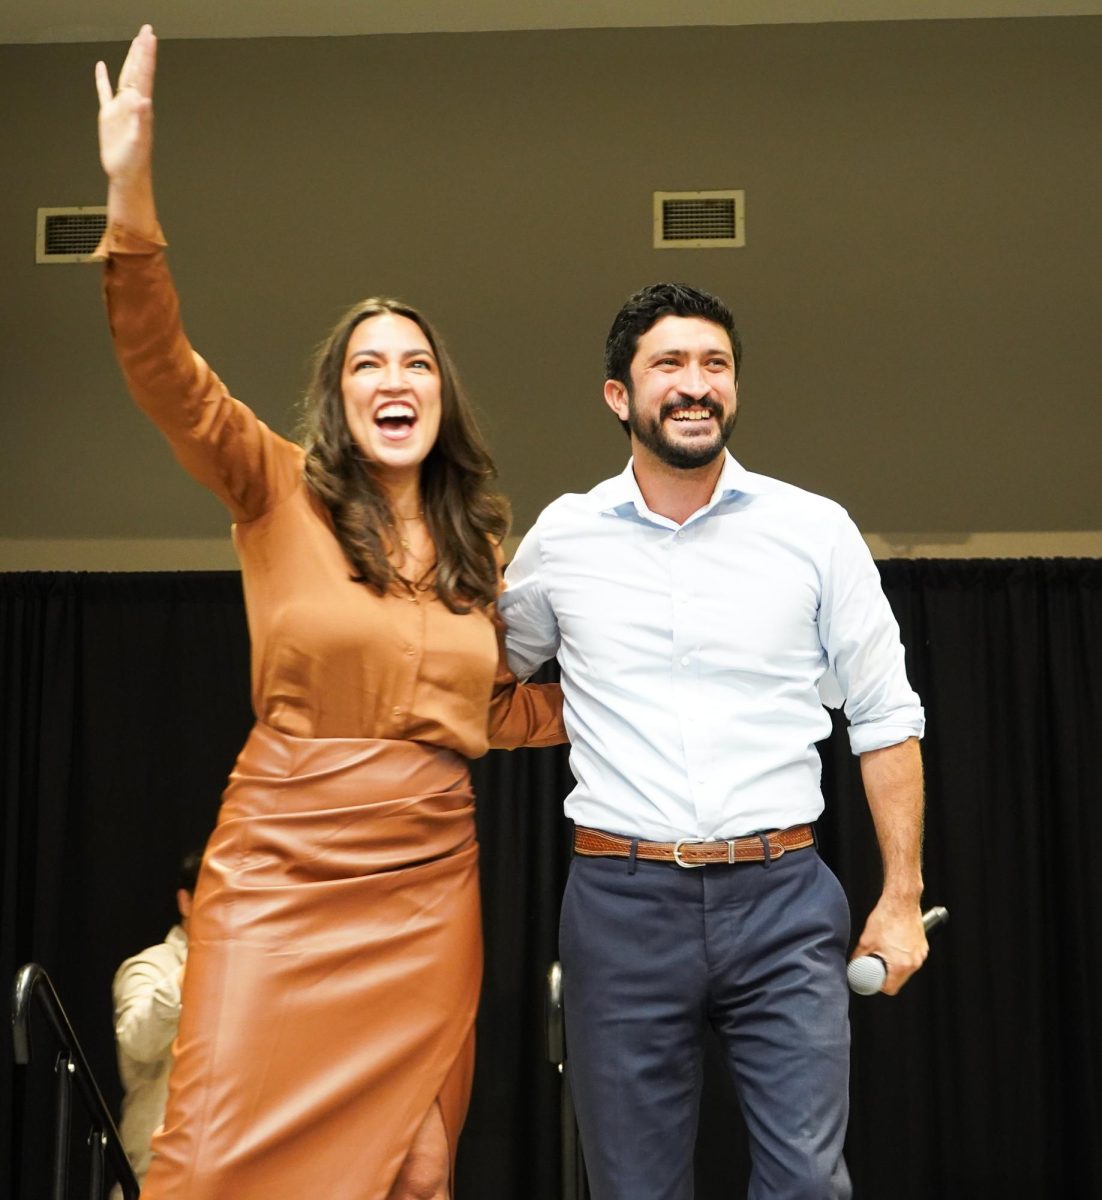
[466,517]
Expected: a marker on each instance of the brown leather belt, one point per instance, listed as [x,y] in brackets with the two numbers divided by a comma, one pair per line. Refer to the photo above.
[688,852]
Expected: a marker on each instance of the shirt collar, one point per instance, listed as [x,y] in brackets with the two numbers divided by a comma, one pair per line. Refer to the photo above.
[621,494]
[176,937]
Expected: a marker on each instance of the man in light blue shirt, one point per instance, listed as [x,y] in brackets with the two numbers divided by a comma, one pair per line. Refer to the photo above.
[702,615]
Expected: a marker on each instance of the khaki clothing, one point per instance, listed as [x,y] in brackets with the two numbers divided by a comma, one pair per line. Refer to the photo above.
[146,995]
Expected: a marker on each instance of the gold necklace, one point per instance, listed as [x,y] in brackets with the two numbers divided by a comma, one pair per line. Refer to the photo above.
[403,541]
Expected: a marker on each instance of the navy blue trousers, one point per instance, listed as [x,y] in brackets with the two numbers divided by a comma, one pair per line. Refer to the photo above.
[652,954]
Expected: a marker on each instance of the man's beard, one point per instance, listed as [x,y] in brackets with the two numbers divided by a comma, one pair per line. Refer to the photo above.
[650,433]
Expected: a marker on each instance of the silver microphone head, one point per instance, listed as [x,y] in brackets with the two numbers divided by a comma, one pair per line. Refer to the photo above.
[933,917]
[867,974]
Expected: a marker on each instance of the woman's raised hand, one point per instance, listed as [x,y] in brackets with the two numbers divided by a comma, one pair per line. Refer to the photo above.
[126,115]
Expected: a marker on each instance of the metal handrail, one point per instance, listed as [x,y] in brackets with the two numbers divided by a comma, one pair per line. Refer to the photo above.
[31,984]
[553,1018]
[574,1183]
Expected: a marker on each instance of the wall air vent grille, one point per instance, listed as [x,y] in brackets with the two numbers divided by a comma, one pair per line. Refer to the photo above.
[699,220]
[68,235]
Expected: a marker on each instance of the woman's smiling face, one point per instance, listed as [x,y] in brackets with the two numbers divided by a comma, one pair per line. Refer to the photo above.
[390,384]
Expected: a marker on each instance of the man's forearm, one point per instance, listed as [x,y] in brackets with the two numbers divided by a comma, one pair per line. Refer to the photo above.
[893,786]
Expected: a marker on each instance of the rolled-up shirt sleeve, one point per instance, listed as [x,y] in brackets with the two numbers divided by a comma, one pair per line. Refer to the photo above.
[860,636]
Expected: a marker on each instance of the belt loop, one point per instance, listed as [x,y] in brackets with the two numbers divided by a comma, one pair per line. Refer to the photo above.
[631,855]
[815,836]
[767,850]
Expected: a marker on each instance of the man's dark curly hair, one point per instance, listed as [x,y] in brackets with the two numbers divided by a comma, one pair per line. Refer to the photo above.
[647,307]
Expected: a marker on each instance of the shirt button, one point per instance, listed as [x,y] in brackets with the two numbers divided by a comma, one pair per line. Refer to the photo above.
[395,712]
[685,661]
[409,649]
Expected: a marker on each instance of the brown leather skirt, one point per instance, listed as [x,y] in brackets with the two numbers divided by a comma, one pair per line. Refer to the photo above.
[333,973]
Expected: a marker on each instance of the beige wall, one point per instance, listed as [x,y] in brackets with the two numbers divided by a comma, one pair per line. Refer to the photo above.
[919,296]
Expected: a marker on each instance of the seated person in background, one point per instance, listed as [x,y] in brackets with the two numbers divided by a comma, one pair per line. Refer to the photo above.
[146,995]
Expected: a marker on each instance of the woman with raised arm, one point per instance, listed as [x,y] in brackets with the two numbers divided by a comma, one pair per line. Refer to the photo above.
[326,1037]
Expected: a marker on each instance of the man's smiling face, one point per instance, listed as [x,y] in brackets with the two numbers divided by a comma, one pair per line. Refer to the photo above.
[682,402]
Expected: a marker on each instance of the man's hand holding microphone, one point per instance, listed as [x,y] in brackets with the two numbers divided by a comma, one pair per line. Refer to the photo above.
[869,973]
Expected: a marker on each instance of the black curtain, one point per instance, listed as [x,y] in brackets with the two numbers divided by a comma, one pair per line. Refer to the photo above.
[125,698]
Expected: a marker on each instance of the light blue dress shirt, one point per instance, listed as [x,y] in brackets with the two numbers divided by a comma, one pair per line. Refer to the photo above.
[696,659]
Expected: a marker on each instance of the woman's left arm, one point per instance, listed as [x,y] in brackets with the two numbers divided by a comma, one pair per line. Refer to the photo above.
[521,714]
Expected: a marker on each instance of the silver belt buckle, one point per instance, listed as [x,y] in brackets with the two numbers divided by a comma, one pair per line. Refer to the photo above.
[677,852]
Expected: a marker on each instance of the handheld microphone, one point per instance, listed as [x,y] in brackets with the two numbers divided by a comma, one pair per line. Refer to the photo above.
[867,974]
